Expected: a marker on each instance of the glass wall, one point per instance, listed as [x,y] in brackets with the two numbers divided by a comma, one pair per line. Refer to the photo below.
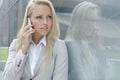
[12,12]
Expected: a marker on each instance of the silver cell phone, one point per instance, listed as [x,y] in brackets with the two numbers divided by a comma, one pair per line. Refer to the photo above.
[29,22]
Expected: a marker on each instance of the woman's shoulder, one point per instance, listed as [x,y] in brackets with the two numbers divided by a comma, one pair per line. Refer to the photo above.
[14,42]
[60,46]
[59,42]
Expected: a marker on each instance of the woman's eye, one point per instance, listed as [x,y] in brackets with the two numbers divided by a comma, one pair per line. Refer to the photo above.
[39,17]
[49,17]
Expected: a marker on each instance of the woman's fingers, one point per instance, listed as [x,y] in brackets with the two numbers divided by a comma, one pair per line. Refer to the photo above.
[27,28]
[26,36]
[28,32]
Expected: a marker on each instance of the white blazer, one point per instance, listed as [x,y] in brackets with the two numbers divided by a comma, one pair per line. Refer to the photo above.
[18,65]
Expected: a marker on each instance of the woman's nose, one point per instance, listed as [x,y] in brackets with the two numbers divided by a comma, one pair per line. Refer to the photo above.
[45,21]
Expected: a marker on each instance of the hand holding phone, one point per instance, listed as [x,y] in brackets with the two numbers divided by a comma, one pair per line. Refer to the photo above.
[27,35]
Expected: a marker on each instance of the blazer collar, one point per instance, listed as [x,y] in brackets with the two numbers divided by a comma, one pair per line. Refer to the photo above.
[38,65]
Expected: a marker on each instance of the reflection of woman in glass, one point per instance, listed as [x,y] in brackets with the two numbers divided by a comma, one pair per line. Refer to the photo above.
[86,58]
[37,53]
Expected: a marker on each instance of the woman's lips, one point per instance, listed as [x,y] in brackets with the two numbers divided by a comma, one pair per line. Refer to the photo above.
[44,28]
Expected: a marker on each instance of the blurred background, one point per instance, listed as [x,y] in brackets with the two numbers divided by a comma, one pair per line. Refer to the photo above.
[12,13]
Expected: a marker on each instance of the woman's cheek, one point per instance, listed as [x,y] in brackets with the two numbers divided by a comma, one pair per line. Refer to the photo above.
[35,25]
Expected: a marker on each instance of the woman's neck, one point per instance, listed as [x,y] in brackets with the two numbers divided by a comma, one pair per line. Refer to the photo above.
[36,38]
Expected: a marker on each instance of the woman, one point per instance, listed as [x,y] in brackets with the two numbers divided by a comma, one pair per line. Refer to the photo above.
[87,60]
[37,53]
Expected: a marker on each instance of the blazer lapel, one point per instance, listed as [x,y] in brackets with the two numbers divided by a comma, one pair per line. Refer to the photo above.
[28,69]
[40,61]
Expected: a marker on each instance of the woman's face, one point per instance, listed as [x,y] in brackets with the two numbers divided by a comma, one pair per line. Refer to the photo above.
[90,26]
[42,19]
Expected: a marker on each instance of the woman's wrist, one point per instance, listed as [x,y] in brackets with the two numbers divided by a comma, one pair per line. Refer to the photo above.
[24,49]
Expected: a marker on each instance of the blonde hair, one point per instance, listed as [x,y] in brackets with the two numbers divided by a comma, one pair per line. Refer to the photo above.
[74,31]
[78,16]
[51,37]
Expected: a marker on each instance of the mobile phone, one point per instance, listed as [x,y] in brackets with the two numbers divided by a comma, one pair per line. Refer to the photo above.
[29,22]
